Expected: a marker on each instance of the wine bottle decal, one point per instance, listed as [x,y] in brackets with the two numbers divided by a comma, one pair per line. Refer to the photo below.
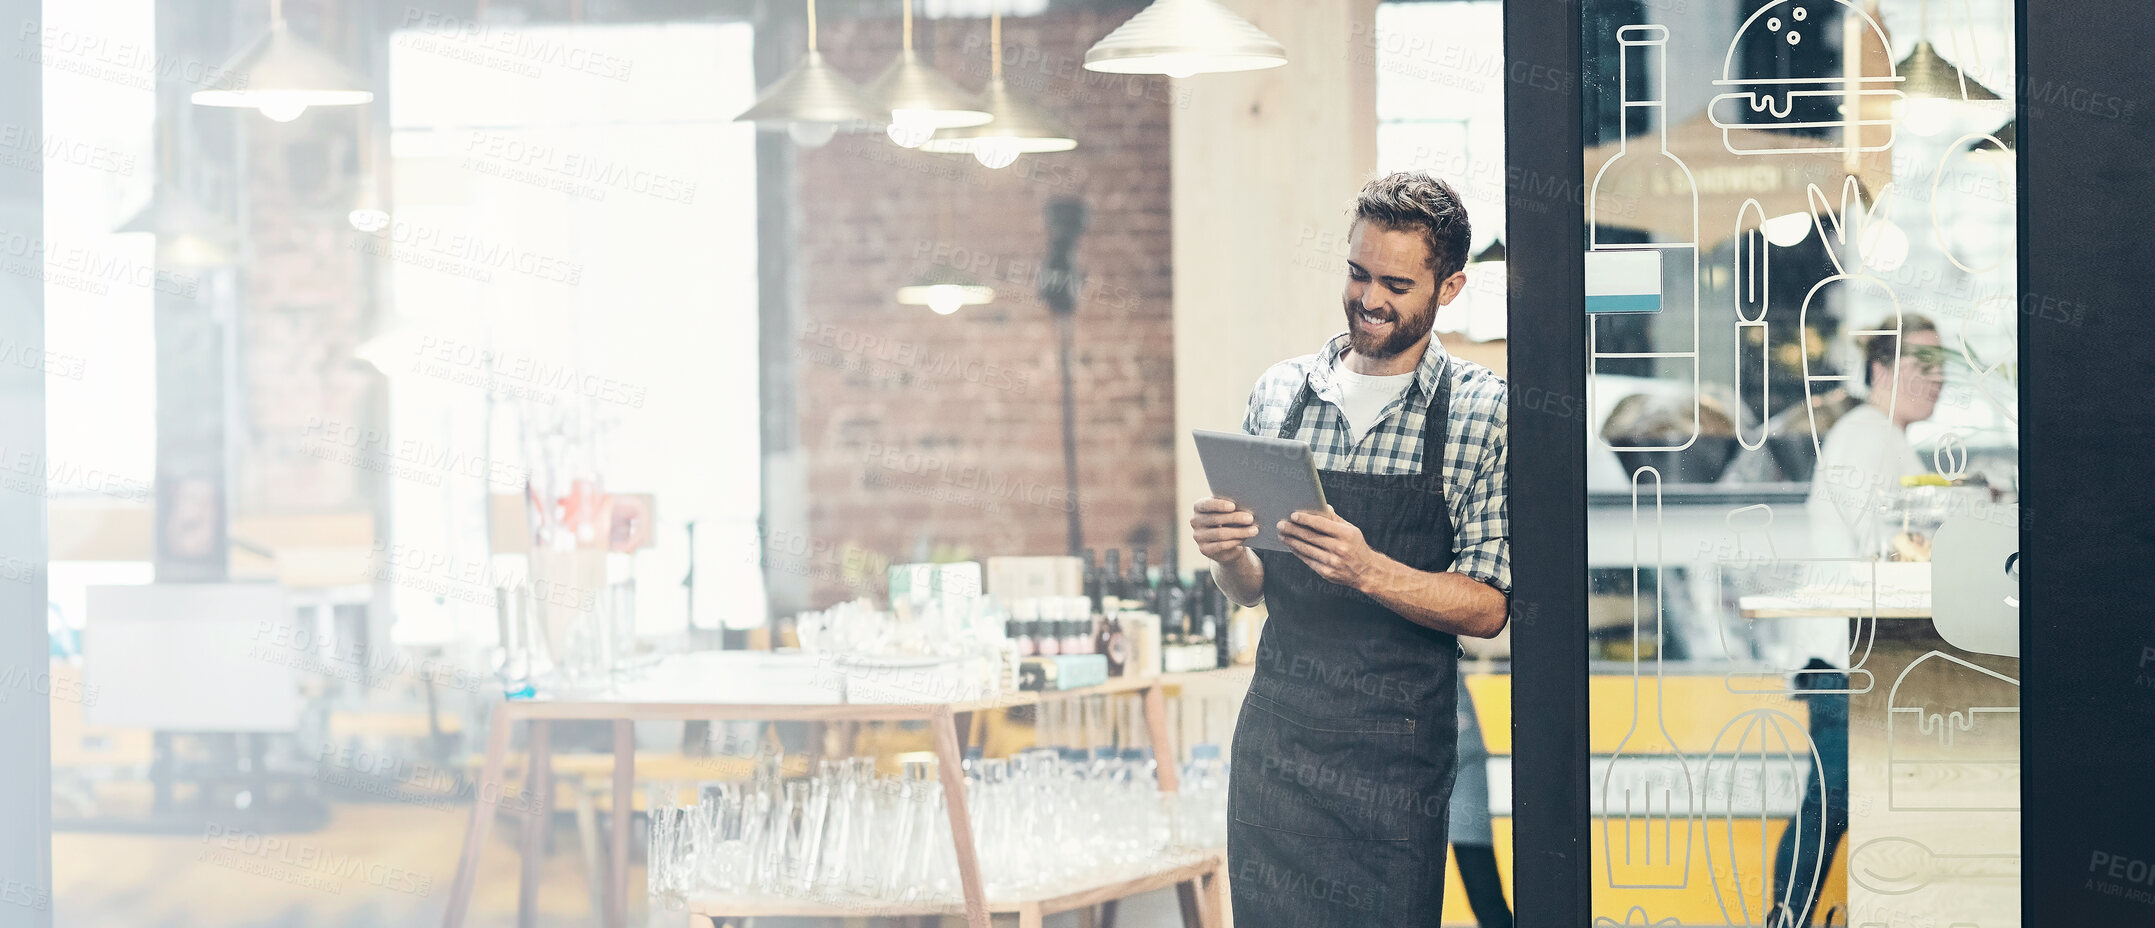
[1653,811]
[1645,167]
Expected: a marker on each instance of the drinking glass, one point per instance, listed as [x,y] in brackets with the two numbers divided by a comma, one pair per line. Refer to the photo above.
[519,648]
[892,800]
[568,589]
[664,858]
[837,853]
[625,661]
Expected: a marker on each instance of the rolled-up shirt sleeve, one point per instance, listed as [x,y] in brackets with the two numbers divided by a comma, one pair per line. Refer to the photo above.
[1483,535]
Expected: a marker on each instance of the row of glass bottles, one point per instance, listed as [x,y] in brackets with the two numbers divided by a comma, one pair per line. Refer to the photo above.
[845,836]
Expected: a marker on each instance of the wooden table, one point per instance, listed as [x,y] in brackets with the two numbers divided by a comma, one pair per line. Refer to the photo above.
[1891,590]
[1198,881]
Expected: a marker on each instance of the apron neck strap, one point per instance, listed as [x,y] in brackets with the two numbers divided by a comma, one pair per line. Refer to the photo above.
[1436,421]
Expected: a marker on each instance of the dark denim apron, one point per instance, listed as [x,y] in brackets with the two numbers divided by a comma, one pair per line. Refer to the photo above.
[1344,754]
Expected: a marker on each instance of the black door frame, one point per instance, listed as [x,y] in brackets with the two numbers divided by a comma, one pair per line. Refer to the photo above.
[1544,234]
[2087,347]
[2086,125]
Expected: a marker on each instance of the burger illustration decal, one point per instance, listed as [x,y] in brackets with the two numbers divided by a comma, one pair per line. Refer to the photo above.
[1789,86]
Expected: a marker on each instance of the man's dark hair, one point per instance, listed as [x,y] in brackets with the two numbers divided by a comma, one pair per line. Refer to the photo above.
[1413,200]
[1880,349]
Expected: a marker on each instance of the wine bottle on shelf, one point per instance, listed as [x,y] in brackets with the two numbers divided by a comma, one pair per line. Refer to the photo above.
[1078,634]
[1048,640]
[1092,580]
[1111,640]
[1025,625]
[1174,601]
[1111,581]
[1216,623]
[1139,595]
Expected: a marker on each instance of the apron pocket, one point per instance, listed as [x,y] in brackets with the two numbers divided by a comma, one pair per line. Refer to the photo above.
[1356,778]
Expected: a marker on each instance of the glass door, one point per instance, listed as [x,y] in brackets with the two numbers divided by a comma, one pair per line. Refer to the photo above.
[1802,452]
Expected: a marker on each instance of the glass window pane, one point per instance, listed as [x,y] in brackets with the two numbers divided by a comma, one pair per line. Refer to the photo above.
[1803,444]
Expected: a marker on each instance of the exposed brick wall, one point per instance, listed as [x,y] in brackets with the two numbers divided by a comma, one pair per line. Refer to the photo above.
[308,300]
[977,393]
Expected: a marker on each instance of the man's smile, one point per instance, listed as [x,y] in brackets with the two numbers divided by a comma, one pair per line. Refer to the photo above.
[1375,322]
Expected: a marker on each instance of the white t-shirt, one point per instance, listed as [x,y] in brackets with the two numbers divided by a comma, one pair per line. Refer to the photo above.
[1362,398]
[1860,466]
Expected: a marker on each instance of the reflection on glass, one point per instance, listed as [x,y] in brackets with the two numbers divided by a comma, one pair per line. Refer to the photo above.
[1768,503]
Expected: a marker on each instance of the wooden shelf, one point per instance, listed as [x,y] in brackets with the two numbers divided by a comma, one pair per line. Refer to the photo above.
[567,709]
[1181,868]
[1198,880]
[1113,686]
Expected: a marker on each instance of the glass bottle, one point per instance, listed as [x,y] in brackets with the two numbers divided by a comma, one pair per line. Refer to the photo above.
[1138,597]
[1047,633]
[1109,640]
[1174,601]
[1111,583]
[1025,625]
[1077,626]
[1092,580]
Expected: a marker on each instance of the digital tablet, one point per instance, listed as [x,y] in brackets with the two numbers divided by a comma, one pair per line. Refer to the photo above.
[1273,478]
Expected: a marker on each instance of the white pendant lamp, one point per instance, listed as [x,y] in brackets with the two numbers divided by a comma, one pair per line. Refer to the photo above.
[945,290]
[919,99]
[1018,126]
[813,100]
[284,75]
[1935,87]
[189,236]
[1180,38]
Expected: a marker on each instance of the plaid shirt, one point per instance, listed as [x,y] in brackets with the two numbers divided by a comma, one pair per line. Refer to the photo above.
[1475,486]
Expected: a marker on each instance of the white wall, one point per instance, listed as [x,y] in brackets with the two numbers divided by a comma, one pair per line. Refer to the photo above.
[1265,166]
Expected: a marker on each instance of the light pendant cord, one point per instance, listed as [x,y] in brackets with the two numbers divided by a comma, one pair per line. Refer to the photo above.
[995,43]
[276,14]
[908,25]
[811,25]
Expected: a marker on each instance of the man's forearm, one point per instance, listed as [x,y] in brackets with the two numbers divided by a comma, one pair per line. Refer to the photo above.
[1242,579]
[1449,602]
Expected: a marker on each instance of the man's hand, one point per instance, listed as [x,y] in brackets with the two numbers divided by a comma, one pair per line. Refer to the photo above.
[1449,602]
[1333,548]
[1220,529]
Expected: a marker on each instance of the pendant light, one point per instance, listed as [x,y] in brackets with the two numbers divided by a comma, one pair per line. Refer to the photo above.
[919,99]
[1180,38]
[189,236]
[284,74]
[1018,127]
[1933,85]
[2005,136]
[945,289]
[812,100]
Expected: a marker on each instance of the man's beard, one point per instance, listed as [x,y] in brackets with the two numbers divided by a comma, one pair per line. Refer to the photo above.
[1407,329]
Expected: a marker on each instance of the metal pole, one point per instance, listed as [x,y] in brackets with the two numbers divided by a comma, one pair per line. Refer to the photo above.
[1066,333]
